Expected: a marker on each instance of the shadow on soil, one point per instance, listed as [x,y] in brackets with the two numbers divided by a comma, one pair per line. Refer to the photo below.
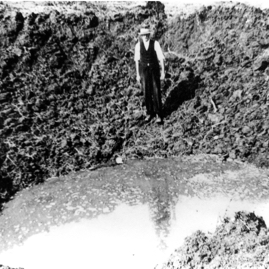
[184,91]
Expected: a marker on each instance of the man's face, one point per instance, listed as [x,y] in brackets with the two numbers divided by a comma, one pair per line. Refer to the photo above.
[146,37]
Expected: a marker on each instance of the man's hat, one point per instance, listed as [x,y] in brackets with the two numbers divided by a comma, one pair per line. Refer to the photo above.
[144,31]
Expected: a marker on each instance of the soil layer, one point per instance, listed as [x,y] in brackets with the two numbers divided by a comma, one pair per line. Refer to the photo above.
[69,102]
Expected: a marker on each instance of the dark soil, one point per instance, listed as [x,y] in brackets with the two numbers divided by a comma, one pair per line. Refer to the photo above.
[69,100]
[68,94]
[241,242]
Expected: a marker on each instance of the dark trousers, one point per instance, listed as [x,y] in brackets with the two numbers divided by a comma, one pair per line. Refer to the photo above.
[151,86]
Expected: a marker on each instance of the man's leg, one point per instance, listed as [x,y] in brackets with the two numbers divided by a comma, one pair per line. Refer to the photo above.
[157,100]
[147,91]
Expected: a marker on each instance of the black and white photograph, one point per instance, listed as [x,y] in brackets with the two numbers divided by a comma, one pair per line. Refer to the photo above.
[134,134]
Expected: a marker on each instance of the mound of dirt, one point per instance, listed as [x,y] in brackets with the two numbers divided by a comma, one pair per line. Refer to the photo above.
[241,242]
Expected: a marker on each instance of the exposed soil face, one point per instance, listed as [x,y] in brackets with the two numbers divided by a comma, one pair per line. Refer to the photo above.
[69,99]
[68,94]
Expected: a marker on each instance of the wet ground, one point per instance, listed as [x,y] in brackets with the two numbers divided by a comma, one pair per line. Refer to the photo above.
[129,216]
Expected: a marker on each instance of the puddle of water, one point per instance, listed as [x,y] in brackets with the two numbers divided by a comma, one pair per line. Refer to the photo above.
[129,237]
[119,240]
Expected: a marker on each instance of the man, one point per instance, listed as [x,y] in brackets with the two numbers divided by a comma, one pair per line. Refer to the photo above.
[149,58]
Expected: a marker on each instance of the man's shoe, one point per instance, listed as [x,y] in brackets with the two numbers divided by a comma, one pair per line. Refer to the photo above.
[158,120]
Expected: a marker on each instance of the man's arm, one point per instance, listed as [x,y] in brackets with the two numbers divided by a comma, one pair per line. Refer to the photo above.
[137,71]
[160,56]
[137,59]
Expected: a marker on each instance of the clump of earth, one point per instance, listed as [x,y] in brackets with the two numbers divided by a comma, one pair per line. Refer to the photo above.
[238,242]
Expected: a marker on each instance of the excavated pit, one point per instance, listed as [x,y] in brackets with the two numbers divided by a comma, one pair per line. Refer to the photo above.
[70,102]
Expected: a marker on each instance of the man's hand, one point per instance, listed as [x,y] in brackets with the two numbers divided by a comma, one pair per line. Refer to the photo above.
[138,78]
[162,76]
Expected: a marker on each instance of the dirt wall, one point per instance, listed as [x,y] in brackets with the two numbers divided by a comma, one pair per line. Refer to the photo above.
[66,81]
[69,97]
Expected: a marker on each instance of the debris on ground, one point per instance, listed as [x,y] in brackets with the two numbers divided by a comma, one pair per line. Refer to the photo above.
[239,242]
